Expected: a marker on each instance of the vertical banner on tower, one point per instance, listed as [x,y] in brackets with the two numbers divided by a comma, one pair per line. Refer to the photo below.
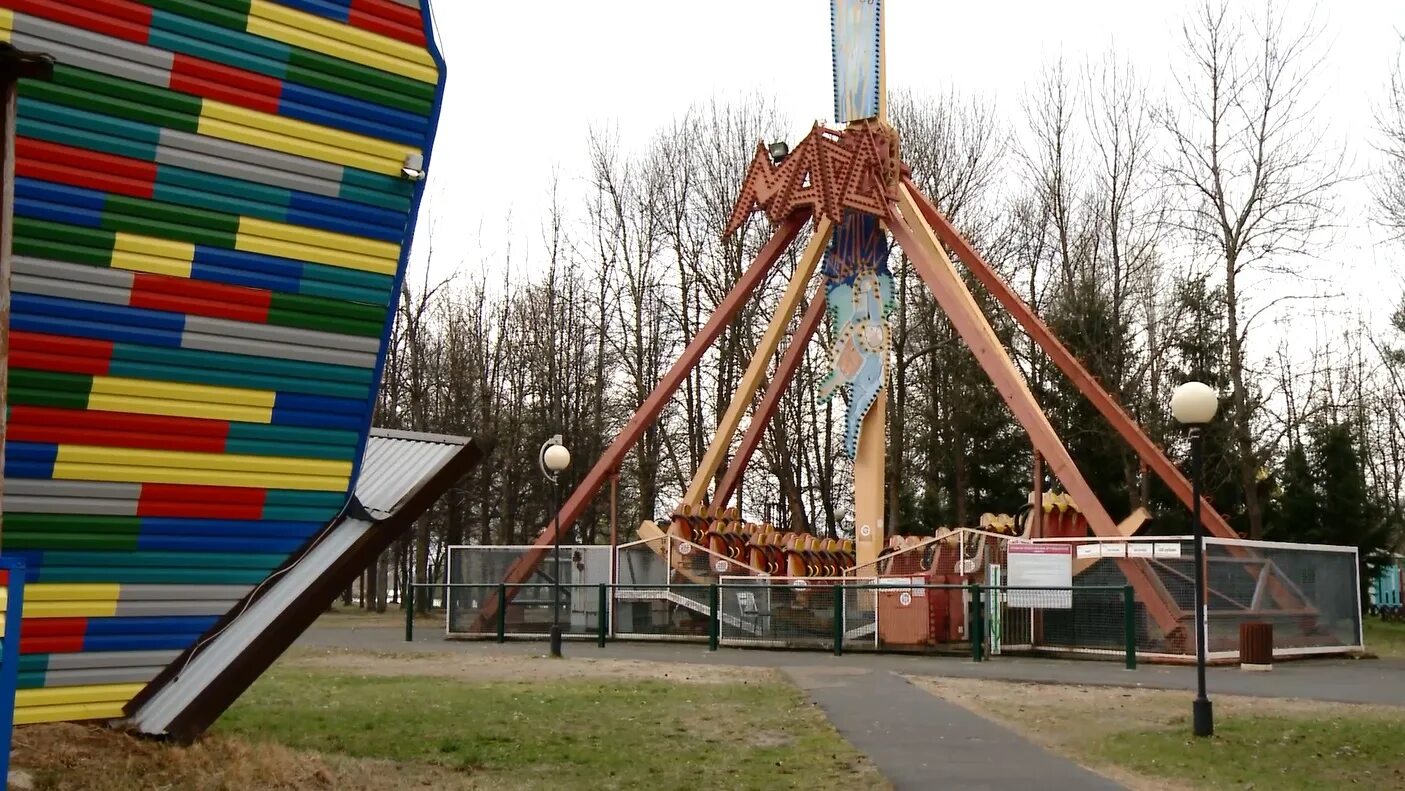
[856,28]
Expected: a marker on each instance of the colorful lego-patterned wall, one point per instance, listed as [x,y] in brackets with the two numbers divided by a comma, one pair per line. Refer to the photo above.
[211,223]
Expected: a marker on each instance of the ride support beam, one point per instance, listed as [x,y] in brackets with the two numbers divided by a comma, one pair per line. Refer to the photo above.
[760,359]
[1039,332]
[781,239]
[936,269]
[771,399]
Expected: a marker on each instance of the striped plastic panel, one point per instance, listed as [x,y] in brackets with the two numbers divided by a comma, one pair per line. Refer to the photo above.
[210,228]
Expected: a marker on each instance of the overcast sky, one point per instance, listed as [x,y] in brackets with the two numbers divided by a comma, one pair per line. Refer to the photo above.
[527,80]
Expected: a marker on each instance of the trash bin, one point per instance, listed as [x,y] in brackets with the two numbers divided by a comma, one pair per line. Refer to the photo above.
[1256,646]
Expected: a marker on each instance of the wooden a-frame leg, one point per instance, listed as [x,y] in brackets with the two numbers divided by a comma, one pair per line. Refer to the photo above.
[1148,451]
[1141,444]
[756,369]
[771,399]
[958,304]
[609,461]
[940,274]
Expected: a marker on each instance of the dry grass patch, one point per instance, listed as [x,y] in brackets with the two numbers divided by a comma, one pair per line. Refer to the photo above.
[518,667]
[1142,737]
[65,756]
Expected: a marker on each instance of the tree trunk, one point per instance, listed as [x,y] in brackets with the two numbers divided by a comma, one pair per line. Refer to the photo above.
[1244,440]
[369,586]
[421,574]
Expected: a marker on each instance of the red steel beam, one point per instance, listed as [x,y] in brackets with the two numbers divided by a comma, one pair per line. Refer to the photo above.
[609,461]
[771,400]
[960,307]
[1132,433]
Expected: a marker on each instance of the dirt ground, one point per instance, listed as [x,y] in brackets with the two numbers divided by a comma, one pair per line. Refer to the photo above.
[1067,718]
[471,668]
[95,758]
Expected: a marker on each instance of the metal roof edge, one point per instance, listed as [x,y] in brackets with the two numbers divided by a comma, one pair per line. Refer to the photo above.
[225,669]
[419,436]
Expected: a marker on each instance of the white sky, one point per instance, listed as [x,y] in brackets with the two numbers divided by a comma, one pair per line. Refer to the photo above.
[527,80]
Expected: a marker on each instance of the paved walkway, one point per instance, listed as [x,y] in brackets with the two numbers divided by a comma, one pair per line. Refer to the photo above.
[920,741]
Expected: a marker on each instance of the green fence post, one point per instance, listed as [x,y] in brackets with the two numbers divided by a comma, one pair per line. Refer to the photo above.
[839,619]
[714,621]
[410,612]
[974,629]
[502,612]
[1129,625]
[602,620]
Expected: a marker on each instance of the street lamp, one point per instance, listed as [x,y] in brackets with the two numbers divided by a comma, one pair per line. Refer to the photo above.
[552,459]
[1193,405]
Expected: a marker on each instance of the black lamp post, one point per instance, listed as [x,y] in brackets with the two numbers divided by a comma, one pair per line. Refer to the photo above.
[1194,404]
[552,459]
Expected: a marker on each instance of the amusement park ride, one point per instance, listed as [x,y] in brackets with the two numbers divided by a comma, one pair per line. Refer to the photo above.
[852,189]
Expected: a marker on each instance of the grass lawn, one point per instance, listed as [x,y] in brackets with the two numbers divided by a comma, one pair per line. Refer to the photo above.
[1142,737]
[1268,751]
[311,724]
[1385,639]
[572,733]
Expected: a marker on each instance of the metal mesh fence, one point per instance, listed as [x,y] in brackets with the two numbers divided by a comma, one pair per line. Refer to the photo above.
[1084,620]
[476,571]
[674,611]
[767,611]
[1309,593]
[643,563]
[528,612]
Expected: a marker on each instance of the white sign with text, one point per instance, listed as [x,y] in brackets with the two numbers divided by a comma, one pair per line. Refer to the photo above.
[1040,566]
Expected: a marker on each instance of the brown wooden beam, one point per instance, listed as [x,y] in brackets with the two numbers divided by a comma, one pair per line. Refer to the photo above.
[609,461]
[771,399]
[760,358]
[956,301]
[1039,332]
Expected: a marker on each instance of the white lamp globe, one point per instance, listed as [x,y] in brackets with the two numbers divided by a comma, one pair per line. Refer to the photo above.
[1194,404]
[557,458]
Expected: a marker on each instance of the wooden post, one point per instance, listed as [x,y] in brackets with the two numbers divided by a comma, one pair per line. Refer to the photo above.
[756,370]
[1037,514]
[614,552]
[869,466]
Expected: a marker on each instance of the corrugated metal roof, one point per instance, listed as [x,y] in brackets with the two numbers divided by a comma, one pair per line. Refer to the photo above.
[396,465]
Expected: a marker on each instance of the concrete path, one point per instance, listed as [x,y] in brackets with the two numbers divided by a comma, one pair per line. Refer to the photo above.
[919,741]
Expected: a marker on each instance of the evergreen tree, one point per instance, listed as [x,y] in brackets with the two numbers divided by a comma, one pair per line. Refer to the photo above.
[1347,514]
[1294,513]
[1084,317]
[1198,352]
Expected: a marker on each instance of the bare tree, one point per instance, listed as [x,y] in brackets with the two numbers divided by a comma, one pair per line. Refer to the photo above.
[1256,176]
[1390,183]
